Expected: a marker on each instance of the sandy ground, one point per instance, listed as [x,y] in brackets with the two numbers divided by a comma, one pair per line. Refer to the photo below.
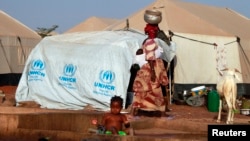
[179,111]
[189,118]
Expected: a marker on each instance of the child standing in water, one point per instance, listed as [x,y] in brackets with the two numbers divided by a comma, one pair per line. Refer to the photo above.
[114,120]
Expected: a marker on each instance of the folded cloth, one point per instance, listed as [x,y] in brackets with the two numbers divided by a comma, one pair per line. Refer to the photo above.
[149,48]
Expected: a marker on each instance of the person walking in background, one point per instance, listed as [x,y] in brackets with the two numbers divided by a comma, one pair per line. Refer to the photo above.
[148,94]
[151,80]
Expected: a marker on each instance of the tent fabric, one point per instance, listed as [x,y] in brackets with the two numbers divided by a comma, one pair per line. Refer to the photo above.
[71,71]
[204,59]
[92,24]
[12,27]
[16,42]
[174,17]
[200,28]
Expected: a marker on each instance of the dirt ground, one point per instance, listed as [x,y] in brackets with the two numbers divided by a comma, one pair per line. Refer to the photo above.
[194,118]
[179,110]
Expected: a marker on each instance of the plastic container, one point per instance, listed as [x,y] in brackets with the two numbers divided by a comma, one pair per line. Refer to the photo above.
[198,90]
[245,111]
[213,100]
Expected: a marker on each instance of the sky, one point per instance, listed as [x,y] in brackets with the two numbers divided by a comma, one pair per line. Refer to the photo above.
[69,13]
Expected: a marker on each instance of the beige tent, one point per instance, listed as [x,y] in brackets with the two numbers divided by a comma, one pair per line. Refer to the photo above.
[16,42]
[92,24]
[208,39]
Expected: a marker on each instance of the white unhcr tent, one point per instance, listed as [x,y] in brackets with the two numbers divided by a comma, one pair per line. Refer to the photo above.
[74,70]
[16,42]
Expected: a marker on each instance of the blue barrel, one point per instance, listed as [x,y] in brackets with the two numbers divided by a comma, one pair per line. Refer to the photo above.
[213,101]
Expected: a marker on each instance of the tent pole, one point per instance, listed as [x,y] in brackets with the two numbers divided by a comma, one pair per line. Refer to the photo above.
[20,42]
[169,83]
[170,87]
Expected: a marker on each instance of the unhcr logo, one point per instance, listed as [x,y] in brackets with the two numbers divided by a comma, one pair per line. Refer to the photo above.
[36,70]
[67,80]
[107,76]
[38,65]
[69,70]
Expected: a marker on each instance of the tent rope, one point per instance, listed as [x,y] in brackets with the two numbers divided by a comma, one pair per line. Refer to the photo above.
[230,42]
[172,34]
[238,40]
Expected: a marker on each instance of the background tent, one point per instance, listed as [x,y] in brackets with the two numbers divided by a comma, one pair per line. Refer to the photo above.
[16,42]
[71,71]
[92,24]
[208,38]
